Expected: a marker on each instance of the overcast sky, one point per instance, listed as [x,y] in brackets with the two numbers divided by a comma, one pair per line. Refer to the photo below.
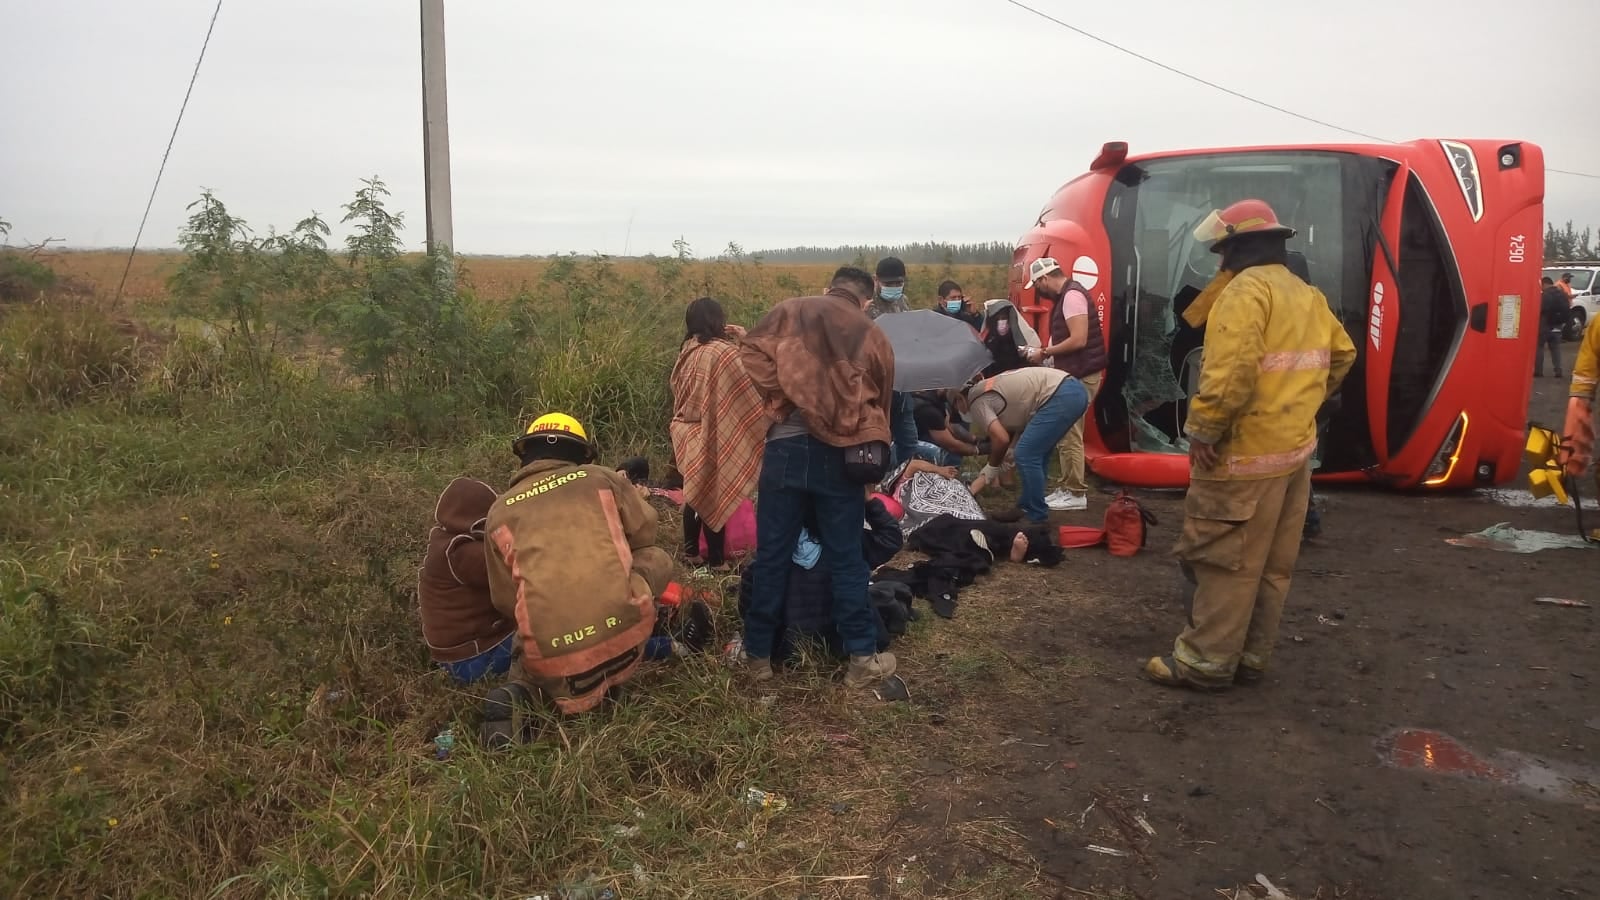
[619,125]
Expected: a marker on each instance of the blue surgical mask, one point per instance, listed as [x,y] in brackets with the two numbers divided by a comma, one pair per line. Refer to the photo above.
[892,293]
[952,306]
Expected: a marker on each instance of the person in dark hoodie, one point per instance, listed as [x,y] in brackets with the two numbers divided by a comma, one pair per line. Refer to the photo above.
[465,634]
[1554,310]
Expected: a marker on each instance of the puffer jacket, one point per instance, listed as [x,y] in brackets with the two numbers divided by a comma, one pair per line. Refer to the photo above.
[458,619]
[823,357]
[1273,354]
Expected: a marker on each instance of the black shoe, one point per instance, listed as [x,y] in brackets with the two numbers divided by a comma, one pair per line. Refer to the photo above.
[502,709]
[699,630]
[1247,675]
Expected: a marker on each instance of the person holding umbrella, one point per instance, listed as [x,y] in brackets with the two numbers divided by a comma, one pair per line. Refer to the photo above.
[1026,412]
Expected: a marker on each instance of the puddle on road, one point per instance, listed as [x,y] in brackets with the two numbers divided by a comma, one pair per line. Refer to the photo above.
[1439,753]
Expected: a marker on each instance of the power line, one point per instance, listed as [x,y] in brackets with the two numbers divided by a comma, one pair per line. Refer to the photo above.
[160,171]
[1227,90]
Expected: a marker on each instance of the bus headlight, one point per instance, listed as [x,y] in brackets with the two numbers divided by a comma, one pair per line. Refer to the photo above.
[1444,462]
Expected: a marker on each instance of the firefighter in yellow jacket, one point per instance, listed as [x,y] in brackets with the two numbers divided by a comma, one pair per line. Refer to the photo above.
[573,562]
[1578,435]
[1273,355]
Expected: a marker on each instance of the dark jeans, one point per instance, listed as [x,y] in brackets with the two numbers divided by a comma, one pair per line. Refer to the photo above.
[692,528]
[798,475]
[1549,340]
[903,425]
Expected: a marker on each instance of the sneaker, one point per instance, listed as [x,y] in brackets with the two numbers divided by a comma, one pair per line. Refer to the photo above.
[1067,501]
[698,631]
[868,670]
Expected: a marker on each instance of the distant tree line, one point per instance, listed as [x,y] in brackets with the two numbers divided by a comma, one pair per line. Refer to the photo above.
[928,253]
[1567,243]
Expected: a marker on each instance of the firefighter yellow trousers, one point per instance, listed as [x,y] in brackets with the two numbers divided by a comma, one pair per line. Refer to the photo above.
[1239,545]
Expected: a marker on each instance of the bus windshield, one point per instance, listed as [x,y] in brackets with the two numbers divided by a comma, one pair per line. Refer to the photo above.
[1332,199]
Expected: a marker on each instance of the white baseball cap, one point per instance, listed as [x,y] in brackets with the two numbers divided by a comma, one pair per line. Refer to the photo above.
[1041,267]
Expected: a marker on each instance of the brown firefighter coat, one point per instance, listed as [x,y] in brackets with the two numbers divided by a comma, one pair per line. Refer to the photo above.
[562,545]
[458,619]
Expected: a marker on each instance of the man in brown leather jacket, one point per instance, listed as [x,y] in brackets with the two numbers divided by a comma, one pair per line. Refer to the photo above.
[573,562]
[826,374]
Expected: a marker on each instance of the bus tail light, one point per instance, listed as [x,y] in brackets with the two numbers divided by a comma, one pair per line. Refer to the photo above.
[1444,462]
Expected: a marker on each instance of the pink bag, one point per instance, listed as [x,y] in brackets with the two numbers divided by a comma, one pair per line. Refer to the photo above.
[739,535]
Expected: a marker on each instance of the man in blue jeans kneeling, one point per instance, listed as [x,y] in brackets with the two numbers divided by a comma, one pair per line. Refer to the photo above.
[1025,411]
[826,375]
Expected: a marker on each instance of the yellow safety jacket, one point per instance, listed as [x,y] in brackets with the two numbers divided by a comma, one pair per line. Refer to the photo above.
[1579,430]
[1273,354]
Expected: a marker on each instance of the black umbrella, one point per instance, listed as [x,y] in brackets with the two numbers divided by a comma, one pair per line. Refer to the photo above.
[932,351]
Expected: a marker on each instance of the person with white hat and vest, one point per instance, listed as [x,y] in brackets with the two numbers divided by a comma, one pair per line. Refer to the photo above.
[1077,346]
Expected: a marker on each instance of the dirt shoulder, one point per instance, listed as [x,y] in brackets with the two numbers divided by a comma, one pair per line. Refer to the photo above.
[1038,737]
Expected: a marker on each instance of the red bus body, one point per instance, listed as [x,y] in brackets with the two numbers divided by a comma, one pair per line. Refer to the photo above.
[1429,252]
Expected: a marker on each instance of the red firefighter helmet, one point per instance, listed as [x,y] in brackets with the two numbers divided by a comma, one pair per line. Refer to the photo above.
[1243,217]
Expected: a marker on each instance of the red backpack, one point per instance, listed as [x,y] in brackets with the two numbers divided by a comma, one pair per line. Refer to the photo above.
[1126,525]
[1124,533]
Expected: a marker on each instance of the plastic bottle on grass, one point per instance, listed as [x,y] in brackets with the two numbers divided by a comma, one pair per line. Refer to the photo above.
[768,802]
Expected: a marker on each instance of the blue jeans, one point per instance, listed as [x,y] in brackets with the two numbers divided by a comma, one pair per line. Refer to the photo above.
[494,661]
[1039,439]
[903,426]
[800,474]
[936,454]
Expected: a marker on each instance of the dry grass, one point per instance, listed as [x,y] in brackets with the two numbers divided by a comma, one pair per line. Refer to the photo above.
[211,683]
[493,276]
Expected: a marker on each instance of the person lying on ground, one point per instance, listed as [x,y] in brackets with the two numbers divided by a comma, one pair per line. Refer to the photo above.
[1026,412]
[465,634]
[572,560]
[716,428]
[808,610]
[924,491]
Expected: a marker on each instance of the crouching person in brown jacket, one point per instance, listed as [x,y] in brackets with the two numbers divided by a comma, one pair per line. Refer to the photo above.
[465,634]
[573,562]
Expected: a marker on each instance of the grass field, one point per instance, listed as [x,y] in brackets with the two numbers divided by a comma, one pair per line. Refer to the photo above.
[211,678]
[499,276]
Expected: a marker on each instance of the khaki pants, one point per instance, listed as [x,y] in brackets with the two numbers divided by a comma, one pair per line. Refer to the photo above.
[652,566]
[1069,453]
[1239,545]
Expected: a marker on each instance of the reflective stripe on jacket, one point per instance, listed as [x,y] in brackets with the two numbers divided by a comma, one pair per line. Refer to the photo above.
[1273,354]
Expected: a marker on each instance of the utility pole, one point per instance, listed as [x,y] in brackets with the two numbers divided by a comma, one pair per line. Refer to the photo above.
[436,133]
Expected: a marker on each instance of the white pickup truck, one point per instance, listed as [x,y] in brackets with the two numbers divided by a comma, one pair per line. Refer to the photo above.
[1585,293]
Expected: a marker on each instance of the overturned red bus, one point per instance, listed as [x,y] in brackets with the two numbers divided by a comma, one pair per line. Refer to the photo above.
[1429,252]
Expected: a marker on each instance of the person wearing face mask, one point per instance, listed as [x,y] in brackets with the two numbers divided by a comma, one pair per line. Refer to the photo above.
[889,288]
[889,296]
[1078,348]
[1274,354]
[953,303]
